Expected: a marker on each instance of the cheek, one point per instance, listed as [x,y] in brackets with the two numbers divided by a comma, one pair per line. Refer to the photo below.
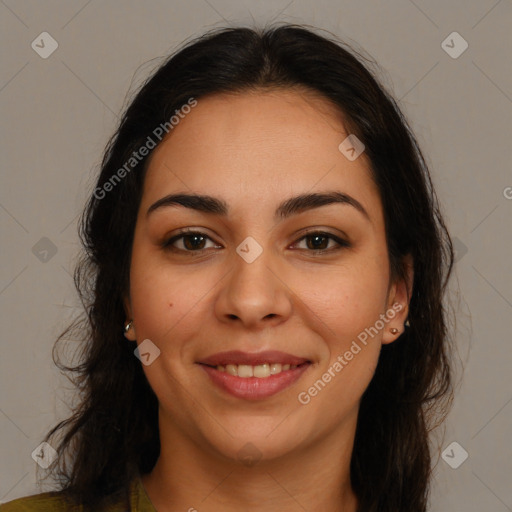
[163,297]
[348,304]
[347,300]
[348,309]
[336,391]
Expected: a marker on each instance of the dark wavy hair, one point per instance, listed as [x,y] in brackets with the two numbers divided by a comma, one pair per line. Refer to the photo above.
[113,434]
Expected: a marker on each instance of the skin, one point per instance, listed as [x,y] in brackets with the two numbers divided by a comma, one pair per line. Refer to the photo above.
[254,150]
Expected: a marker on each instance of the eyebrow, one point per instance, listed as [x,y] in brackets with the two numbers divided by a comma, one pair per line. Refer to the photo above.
[289,207]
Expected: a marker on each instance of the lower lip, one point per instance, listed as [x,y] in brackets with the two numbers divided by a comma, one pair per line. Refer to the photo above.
[254,388]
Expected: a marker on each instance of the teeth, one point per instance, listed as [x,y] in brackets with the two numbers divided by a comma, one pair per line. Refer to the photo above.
[261,371]
[275,368]
[244,370]
[232,369]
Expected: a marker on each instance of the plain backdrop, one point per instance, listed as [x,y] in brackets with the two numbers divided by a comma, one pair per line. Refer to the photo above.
[58,113]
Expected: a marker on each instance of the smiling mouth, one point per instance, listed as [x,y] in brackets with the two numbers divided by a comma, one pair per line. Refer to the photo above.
[256,382]
[259,371]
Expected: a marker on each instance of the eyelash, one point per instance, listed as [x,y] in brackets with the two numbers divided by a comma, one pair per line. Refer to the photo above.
[167,245]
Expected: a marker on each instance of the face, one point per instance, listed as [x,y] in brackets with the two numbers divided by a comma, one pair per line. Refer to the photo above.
[256,272]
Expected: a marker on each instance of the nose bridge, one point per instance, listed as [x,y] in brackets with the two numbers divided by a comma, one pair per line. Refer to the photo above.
[253,293]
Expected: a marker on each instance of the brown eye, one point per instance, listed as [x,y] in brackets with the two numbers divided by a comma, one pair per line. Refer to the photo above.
[319,242]
[192,242]
[189,241]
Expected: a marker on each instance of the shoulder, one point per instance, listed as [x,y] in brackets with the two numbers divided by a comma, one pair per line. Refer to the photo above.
[48,501]
[56,501]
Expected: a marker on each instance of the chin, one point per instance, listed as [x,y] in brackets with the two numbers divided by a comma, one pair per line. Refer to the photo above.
[251,439]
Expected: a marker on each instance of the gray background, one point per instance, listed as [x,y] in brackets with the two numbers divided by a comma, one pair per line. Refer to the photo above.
[58,113]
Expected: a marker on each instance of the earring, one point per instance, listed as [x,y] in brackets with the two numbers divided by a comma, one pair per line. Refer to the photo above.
[128,326]
[407,323]
[393,330]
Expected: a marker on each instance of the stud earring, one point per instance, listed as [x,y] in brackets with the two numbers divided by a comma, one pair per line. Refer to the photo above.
[128,326]
[393,330]
[407,323]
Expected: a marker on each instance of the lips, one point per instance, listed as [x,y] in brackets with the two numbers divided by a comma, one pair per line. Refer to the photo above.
[237,357]
[223,370]
[254,388]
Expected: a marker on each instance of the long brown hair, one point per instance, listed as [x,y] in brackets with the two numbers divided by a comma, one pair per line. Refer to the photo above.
[113,432]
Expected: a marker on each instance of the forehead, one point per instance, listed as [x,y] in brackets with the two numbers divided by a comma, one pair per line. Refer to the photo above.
[257,146]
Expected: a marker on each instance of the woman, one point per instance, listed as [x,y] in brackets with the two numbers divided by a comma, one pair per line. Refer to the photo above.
[264,278]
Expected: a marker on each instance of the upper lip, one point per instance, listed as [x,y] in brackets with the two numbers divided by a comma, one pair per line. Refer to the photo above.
[253,359]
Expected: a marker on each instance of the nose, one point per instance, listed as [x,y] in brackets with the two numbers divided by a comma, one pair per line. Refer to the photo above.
[253,294]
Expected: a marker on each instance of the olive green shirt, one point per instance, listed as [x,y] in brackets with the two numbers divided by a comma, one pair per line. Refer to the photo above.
[55,502]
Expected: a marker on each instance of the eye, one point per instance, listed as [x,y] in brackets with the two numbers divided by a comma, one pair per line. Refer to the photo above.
[318,242]
[188,241]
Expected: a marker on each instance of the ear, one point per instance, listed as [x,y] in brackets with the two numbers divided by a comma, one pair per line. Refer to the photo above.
[399,296]
[130,334]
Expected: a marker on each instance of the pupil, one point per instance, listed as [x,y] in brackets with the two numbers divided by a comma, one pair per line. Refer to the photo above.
[315,239]
[194,245]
